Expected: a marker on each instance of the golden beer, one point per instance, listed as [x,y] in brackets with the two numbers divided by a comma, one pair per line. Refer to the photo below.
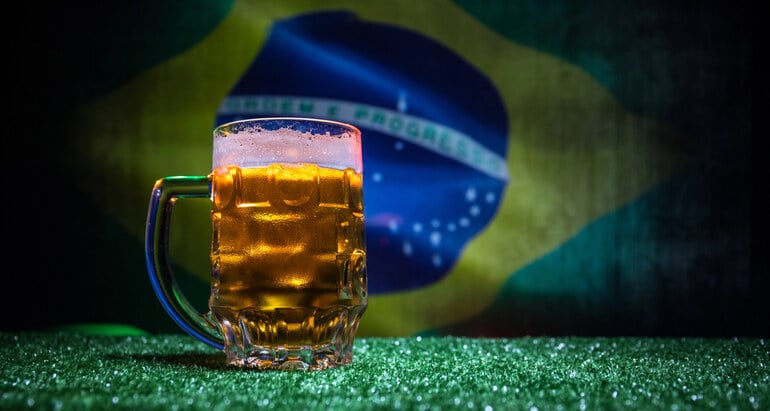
[289,263]
[288,259]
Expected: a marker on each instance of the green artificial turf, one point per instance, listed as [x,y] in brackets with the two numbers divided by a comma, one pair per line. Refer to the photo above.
[72,371]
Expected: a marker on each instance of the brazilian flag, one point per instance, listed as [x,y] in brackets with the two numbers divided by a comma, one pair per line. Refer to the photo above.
[531,168]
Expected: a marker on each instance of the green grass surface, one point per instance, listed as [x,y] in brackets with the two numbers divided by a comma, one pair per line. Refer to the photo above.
[58,370]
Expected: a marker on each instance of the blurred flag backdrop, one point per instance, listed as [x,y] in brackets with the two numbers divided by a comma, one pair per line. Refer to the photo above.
[531,168]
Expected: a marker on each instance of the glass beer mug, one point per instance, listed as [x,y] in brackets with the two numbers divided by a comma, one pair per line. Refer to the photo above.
[288,258]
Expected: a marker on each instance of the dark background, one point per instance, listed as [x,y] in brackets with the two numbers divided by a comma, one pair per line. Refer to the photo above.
[689,64]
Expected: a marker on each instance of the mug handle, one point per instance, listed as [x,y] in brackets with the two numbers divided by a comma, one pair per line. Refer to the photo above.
[164,194]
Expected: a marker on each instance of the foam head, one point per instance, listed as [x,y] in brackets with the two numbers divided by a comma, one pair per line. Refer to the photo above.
[264,141]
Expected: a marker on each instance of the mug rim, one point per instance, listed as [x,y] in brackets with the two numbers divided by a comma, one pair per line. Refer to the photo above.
[257,120]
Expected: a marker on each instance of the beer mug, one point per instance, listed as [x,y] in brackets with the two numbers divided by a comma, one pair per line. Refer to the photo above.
[288,257]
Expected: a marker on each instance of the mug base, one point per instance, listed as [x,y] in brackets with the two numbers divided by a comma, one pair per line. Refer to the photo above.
[288,338]
[301,360]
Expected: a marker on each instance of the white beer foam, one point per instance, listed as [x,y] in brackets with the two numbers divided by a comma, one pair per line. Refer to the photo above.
[255,146]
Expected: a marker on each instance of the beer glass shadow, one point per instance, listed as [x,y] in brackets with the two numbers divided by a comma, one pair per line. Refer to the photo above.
[212,361]
[188,361]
